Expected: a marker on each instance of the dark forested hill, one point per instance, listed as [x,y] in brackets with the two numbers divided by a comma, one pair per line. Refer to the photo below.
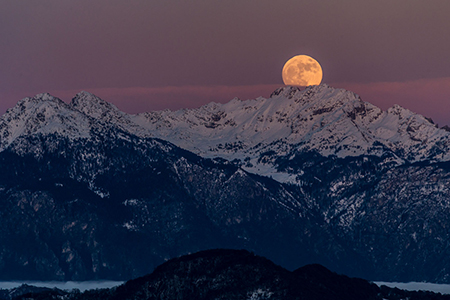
[238,274]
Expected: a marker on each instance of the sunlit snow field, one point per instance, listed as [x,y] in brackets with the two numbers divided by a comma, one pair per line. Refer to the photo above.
[63,285]
[418,286]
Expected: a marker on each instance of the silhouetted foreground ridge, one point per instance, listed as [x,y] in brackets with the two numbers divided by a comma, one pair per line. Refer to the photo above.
[238,274]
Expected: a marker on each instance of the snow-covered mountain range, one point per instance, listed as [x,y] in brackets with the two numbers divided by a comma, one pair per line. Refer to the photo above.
[255,134]
[304,176]
[331,121]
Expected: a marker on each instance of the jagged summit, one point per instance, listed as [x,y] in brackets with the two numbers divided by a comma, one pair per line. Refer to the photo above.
[286,91]
[43,97]
[92,105]
[38,102]
[290,91]
[42,114]
[104,112]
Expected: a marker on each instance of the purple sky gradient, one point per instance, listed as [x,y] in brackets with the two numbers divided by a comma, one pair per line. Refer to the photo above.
[149,54]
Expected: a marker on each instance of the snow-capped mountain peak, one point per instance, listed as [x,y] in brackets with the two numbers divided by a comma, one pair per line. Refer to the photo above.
[40,101]
[104,112]
[93,106]
[41,114]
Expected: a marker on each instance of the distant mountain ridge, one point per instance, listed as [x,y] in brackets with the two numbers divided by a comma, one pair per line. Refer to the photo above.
[253,133]
[320,118]
[331,121]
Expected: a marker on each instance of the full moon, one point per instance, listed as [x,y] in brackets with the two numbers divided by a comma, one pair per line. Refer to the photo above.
[302,70]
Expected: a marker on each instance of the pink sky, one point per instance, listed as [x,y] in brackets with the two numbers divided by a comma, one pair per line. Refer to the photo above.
[151,55]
